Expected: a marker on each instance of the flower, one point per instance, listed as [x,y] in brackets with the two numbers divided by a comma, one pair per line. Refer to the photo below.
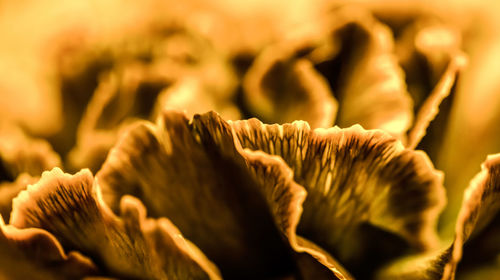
[345,184]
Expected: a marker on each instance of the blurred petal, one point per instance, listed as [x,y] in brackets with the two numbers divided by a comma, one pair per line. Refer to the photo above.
[478,221]
[431,56]
[191,96]
[9,190]
[353,53]
[353,177]
[120,78]
[70,207]
[281,87]
[21,153]
[365,75]
[14,265]
[121,95]
[193,174]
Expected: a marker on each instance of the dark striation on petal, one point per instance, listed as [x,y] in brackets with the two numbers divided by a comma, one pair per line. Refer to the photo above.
[70,207]
[476,229]
[353,177]
[193,174]
[285,198]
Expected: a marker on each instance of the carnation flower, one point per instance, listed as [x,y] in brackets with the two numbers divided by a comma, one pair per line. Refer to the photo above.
[186,150]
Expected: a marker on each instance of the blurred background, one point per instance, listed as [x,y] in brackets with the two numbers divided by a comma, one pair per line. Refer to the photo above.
[40,42]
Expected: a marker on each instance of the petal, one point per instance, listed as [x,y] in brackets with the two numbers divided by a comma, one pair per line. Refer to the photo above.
[9,190]
[190,95]
[121,95]
[280,87]
[193,174]
[121,79]
[433,62]
[41,251]
[70,207]
[480,206]
[477,224]
[353,53]
[21,153]
[365,75]
[285,198]
[13,265]
[352,177]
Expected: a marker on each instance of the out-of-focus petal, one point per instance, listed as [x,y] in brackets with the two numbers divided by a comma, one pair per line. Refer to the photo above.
[353,177]
[192,97]
[281,87]
[364,74]
[9,190]
[476,235]
[121,78]
[70,207]
[430,54]
[192,173]
[353,52]
[20,153]
[126,93]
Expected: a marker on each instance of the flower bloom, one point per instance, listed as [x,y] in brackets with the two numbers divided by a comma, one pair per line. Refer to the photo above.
[334,179]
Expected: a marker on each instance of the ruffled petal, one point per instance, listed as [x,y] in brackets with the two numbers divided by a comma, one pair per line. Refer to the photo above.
[475,246]
[353,52]
[480,206]
[281,87]
[40,252]
[364,73]
[430,54]
[9,190]
[285,198]
[119,79]
[20,153]
[70,207]
[353,177]
[193,174]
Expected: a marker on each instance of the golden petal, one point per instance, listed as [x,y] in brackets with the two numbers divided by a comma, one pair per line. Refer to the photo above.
[70,207]
[480,206]
[433,62]
[285,198]
[353,177]
[365,75]
[477,225]
[9,190]
[193,174]
[354,55]
[20,153]
[39,251]
[280,87]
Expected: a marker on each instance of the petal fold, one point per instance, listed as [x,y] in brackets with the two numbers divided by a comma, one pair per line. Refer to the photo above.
[353,177]
[71,208]
[193,174]
[475,249]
